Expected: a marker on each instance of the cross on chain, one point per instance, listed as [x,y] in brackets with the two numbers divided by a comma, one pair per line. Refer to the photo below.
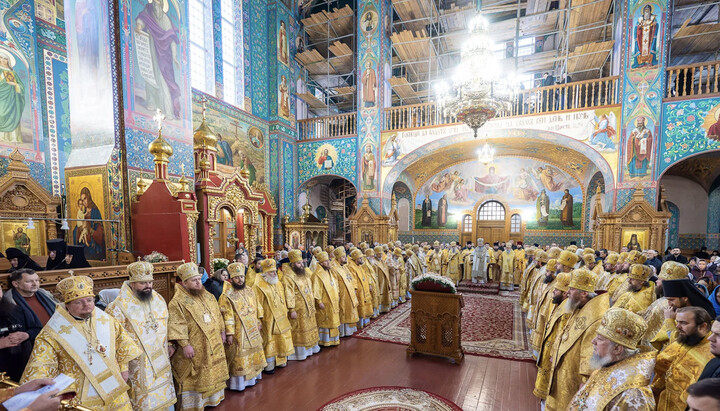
[89,350]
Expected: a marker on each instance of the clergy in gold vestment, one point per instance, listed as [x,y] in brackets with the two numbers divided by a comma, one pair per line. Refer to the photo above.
[681,362]
[253,272]
[402,277]
[373,278]
[453,263]
[87,345]
[520,264]
[384,279]
[467,257]
[347,292]
[244,345]
[506,261]
[394,269]
[327,302]
[621,380]
[360,277]
[566,261]
[434,259]
[572,352]
[555,324]
[301,305]
[660,328]
[144,315]
[527,276]
[641,292]
[273,313]
[196,326]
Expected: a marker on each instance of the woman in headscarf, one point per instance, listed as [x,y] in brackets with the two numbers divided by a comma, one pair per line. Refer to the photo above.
[76,257]
[19,260]
[715,299]
[57,249]
[215,283]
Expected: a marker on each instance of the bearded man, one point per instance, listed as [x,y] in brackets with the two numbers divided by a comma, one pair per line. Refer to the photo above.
[273,314]
[144,315]
[400,292]
[434,259]
[621,380]
[196,326]
[327,302]
[608,274]
[244,344]
[360,277]
[301,305]
[658,328]
[682,361]
[373,279]
[454,259]
[384,280]
[347,287]
[641,292]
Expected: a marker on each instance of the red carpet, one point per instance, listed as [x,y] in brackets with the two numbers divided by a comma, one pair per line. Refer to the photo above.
[390,399]
[492,326]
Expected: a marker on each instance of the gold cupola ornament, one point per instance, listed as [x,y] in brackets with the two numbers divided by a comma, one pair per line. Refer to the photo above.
[203,137]
[160,149]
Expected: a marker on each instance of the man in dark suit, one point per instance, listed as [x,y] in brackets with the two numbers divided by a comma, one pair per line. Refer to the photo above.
[676,256]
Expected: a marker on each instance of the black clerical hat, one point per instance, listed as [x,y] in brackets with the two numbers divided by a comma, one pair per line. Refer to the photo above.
[685,288]
[24,261]
[78,253]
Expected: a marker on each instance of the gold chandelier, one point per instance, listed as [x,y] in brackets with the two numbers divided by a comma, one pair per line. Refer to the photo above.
[479,89]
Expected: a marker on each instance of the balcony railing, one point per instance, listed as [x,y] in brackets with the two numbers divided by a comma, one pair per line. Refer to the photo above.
[693,80]
[561,97]
[340,125]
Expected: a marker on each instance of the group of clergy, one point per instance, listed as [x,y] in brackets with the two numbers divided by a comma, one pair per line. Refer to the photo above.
[143,354]
[609,333]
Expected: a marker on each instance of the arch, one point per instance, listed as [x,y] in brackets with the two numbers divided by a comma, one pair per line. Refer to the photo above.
[404,214]
[680,160]
[516,223]
[491,210]
[402,192]
[466,223]
[322,178]
[691,199]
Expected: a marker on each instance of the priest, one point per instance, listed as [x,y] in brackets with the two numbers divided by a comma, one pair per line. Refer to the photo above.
[640,293]
[301,306]
[506,261]
[372,275]
[327,302]
[244,345]
[453,263]
[360,277]
[196,327]
[384,288]
[86,344]
[273,314]
[144,315]
[347,291]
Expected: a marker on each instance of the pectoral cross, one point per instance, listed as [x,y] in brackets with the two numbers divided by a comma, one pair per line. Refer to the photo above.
[159,117]
[151,324]
[89,350]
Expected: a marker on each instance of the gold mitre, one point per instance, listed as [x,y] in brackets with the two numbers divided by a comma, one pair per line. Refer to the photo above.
[397,252]
[612,258]
[640,272]
[187,271]
[562,280]
[316,250]
[588,251]
[588,258]
[436,243]
[322,256]
[571,248]
[329,249]
[370,252]
[355,254]
[531,251]
[554,252]
[73,287]
[416,248]
[622,327]
[236,269]
[568,258]
[140,271]
[339,252]
[622,257]
[541,256]
[295,256]
[453,243]
[583,280]
[269,264]
[636,257]
[672,270]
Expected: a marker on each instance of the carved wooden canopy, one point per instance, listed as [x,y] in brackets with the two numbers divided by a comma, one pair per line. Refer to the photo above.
[367,226]
[23,197]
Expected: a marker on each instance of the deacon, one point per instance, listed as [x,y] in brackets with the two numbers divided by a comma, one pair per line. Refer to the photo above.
[327,301]
[641,292]
[360,278]
[144,315]
[347,291]
[384,280]
[454,258]
[273,314]
[244,345]
[301,305]
[86,344]
[196,326]
[506,261]
[621,380]
[571,356]
[466,258]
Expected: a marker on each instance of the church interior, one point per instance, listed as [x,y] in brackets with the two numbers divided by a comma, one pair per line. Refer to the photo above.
[509,138]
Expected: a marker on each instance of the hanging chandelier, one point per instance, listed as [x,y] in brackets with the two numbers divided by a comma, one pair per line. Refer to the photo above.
[478,89]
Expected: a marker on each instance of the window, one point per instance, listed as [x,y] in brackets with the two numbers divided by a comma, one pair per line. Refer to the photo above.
[526,46]
[491,210]
[233,66]
[201,55]
[515,223]
[467,224]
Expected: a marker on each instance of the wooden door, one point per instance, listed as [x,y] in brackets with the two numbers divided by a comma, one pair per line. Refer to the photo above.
[491,231]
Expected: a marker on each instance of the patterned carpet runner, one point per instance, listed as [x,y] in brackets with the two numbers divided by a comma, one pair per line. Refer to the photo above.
[390,399]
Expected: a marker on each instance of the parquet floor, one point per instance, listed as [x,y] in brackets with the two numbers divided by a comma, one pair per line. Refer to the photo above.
[479,383]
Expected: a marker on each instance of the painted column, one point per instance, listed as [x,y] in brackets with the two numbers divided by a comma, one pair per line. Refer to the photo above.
[645,44]
[374,65]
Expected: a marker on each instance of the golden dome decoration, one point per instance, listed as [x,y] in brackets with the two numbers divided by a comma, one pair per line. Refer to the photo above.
[203,137]
[160,148]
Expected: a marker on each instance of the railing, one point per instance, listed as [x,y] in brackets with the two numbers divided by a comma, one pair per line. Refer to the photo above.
[339,125]
[693,79]
[561,97]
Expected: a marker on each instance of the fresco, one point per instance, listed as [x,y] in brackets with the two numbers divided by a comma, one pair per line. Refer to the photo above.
[547,197]
[334,157]
[240,136]
[18,81]
[689,128]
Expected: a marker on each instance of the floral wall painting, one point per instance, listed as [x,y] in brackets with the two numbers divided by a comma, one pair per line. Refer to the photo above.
[282,43]
[689,128]
[368,167]
[712,123]
[326,157]
[640,148]
[645,41]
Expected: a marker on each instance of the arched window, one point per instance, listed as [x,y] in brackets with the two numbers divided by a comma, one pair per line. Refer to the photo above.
[491,210]
[232,52]
[201,46]
[515,223]
[467,224]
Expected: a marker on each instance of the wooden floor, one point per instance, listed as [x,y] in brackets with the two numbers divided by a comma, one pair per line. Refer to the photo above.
[479,383]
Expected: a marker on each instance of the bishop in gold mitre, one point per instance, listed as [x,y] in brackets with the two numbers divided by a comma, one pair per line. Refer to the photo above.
[244,348]
[196,327]
[360,276]
[327,302]
[372,274]
[641,291]
[144,315]
[383,280]
[273,313]
[347,291]
[301,306]
[622,373]
[86,344]
[659,328]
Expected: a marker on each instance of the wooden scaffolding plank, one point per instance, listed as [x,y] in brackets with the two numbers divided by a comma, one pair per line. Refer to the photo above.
[589,56]
[404,90]
[312,101]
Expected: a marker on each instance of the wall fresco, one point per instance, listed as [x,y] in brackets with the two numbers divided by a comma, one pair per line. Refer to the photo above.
[328,157]
[689,127]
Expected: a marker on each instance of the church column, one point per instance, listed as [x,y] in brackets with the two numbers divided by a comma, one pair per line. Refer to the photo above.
[373,68]
[643,78]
